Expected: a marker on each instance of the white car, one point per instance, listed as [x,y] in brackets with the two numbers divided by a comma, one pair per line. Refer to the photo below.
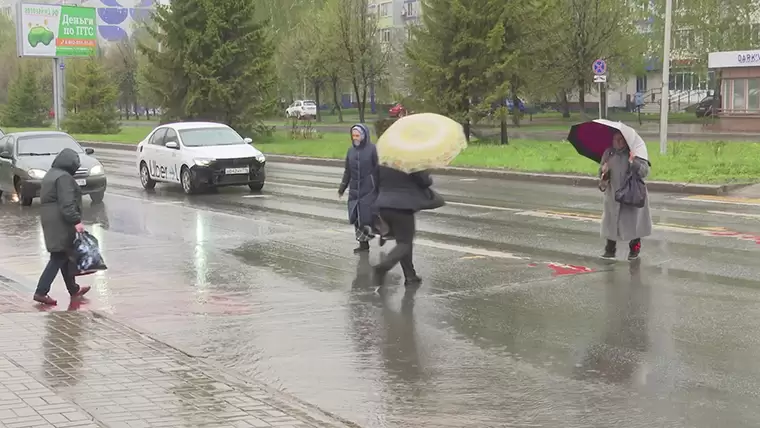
[199,155]
[301,109]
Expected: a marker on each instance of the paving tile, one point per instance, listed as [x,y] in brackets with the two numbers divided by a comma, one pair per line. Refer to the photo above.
[69,369]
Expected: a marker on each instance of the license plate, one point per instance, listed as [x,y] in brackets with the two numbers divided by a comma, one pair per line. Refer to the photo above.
[82,182]
[236,171]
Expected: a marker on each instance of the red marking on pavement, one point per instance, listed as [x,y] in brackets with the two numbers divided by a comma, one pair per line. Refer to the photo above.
[726,233]
[737,235]
[532,264]
[568,269]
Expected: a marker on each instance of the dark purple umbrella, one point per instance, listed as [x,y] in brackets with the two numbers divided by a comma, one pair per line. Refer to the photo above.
[591,139]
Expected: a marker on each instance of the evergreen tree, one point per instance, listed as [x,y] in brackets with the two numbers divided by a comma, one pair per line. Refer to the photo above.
[214,62]
[91,98]
[26,107]
[449,55]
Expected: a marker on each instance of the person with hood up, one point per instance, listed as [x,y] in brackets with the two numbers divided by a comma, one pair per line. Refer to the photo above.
[360,178]
[400,197]
[61,217]
[623,222]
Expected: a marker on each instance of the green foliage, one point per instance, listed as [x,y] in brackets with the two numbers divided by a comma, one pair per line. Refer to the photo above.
[91,100]
[215,63]
[364,56]
[460,53]
[26,106]
[585,30]
[382,125]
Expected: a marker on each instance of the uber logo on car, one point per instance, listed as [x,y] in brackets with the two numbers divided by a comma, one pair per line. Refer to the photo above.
[163,172]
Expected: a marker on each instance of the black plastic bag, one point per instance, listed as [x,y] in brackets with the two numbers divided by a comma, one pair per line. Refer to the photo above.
[633,192]
[87,257]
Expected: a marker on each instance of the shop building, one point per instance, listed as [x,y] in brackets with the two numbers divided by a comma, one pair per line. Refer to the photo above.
[739,73]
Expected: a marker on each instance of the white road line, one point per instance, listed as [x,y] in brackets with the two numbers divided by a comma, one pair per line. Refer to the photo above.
[468,250]
[257,196]
[300,186]
[734,214]
[713,201]
[488,207]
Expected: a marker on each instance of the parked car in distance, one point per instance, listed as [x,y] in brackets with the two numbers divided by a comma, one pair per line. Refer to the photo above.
[25,158]
[198,155]
[705,107]
[397,111]
[301,109]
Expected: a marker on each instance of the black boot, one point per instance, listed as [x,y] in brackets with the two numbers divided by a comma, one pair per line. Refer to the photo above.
[362,248]
[635,249]
[609,250]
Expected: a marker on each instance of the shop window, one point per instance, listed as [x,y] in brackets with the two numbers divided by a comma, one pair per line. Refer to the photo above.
[753,95]
[725,104]
[739,95]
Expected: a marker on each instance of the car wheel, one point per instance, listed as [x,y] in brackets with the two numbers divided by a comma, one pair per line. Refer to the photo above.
[24,201]
[145,180]
[188,185]
[97,198]
[256,186]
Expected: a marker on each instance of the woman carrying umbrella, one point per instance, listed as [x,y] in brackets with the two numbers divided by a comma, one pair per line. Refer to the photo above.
[622,222]
[619,150]
[408,149]
[360,178]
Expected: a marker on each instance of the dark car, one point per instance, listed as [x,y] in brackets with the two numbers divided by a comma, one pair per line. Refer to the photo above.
[706,106]
[25,158]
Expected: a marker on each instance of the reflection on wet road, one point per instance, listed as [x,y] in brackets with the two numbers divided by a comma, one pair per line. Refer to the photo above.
[518,323]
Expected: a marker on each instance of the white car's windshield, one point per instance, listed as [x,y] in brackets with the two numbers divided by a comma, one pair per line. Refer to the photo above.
[309,103]
[45,145]
[217,136]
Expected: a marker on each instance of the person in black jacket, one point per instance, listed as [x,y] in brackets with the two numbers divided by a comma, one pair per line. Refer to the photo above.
[400,197]
[360,178]
[61,218]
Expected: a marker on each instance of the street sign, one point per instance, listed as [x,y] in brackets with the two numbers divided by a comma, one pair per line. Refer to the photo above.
[599,67]
[600,79]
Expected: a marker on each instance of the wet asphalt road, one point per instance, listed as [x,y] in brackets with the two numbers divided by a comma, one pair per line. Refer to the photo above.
[518,323]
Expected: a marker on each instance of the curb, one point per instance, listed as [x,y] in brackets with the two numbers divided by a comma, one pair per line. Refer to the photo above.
[500,174]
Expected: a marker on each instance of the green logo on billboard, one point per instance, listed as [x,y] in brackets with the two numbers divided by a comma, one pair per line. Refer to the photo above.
[40,34]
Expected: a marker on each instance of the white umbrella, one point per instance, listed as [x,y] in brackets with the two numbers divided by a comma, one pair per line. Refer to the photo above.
[632,138]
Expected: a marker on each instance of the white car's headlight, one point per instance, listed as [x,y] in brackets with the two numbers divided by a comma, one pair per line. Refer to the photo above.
[97,170]
[36,174]
[261,158]
[202,161]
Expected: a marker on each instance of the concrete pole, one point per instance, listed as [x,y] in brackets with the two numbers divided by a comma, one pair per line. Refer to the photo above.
[665,100]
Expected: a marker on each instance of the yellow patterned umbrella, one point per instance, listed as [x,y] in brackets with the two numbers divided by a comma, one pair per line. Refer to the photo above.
[421,141]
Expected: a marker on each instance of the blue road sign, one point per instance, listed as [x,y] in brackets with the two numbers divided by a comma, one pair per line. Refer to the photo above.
[599,67]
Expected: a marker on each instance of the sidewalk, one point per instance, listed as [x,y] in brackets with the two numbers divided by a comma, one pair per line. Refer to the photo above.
[77,369]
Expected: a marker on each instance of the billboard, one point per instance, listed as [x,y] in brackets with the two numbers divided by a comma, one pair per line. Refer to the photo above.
[56,31]
[118,18]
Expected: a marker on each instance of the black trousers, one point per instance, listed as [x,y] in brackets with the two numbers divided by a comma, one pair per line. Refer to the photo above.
[612,245]
[59,261]
[402,226]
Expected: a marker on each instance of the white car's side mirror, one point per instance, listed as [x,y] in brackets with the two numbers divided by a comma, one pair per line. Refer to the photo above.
[247,140]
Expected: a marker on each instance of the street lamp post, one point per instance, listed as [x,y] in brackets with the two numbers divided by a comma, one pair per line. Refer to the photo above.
[665,98]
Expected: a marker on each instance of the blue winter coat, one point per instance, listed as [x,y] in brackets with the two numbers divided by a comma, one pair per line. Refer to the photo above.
[360,178]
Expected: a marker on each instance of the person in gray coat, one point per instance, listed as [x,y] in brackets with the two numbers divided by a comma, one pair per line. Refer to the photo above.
[622,222]
[400,197]
[360,178]
[61,218]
